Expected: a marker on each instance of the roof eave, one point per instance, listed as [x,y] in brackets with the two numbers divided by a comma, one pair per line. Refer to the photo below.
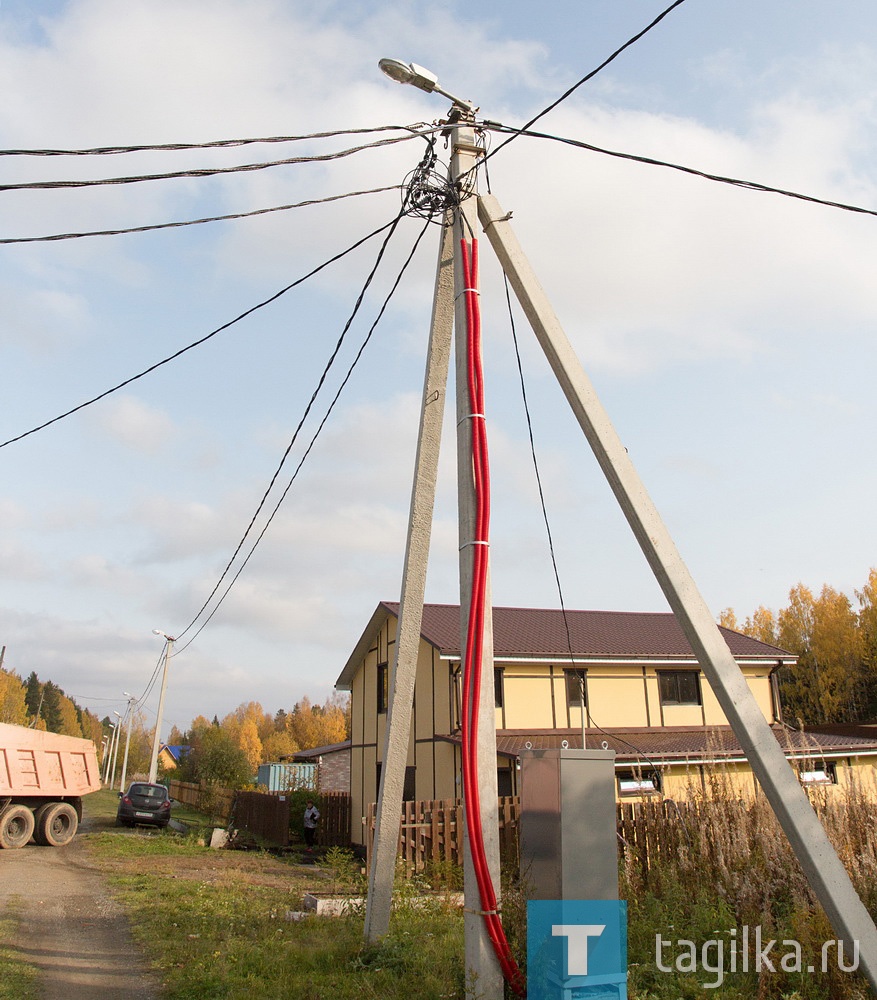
[345,679]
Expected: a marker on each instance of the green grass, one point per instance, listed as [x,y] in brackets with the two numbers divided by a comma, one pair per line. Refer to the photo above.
[18,979]
[217,925]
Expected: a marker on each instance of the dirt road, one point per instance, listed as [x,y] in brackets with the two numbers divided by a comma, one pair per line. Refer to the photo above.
[71,930]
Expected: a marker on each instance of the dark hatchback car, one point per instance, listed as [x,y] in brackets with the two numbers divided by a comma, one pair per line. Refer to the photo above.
[144,803]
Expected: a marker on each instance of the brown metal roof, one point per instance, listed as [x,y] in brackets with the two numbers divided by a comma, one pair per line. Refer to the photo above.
[542,632]
[677,744]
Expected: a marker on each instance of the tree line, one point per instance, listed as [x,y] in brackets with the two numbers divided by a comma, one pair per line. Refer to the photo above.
[229,752]
[43,705]
[835,640]
[226,752]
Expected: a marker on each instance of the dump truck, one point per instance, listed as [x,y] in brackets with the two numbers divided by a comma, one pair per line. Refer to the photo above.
[43,777]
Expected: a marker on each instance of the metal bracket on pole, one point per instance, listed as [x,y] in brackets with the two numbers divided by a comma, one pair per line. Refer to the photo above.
[401,684]
[807,836]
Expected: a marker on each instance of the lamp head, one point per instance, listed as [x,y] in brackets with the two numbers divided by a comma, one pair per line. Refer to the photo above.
[419,77]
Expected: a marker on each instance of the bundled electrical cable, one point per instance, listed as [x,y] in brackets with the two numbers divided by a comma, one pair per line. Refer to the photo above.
[475,635]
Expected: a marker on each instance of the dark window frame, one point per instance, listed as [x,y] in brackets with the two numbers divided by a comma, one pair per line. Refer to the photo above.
[383,688]
[673,684]
[498,687]
[639,776]
[807,771]
[576,680]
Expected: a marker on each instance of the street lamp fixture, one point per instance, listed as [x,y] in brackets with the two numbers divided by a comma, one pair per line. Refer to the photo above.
[419,77]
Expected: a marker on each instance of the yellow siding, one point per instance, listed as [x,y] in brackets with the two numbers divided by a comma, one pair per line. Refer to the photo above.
[617,699]
[619,696]
[527,700]
[687,715]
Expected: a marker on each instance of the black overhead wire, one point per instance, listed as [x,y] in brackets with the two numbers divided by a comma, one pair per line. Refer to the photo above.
[651,161]
[313,440]
[321,381]
[207,172]
[198,222]
[141,701]
[197,343]
[586,711]
[593,73]
[215,144]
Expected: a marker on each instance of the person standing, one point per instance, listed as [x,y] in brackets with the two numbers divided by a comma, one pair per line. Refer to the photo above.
[312,815]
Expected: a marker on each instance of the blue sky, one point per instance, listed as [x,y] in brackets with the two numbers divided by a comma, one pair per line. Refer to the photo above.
[729,333]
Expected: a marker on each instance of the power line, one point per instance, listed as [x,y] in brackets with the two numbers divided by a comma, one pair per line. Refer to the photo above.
[215,144]
[719,178]
[592,74]
[198,222]
[320,382]
[197,343]
[207,172]
[307,452]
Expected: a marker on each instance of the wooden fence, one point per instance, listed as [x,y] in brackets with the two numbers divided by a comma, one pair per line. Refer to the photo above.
[432,830]
[333,829]
[265,813]
[212,800]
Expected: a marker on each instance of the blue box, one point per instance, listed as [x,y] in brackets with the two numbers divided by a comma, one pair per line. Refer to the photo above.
[576,949]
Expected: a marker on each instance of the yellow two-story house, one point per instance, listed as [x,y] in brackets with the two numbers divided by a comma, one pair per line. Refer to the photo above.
[626,681]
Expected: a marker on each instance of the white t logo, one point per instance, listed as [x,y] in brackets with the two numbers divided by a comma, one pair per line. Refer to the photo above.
[577,944]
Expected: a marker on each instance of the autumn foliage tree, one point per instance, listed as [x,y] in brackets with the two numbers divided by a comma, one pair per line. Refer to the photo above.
[835,678]
[250,736]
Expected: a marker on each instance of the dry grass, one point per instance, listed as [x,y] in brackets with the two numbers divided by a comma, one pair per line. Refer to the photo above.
[719,862]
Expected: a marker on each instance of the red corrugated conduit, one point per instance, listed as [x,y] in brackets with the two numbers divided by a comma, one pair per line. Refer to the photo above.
[477,611]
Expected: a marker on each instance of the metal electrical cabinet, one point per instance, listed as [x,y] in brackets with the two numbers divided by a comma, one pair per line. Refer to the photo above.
[567,824]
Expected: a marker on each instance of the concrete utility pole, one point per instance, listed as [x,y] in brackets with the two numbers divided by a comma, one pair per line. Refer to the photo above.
[404,669]
[156,739]
[483,974]
[130,714]
[806,834]
[109,754]
[118,735]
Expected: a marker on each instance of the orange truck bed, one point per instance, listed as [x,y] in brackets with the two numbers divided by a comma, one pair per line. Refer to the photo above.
[46,765]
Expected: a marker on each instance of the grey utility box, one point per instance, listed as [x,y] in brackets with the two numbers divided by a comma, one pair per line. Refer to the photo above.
[567,824]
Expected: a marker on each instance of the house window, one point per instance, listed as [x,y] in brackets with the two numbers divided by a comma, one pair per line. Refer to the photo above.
[383,689]
[576,688]
[638,783]
[408,787]
[679,687]
[818,774]
[498,687]
[504,785]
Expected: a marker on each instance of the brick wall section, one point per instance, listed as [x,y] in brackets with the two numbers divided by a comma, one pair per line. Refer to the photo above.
[333,773]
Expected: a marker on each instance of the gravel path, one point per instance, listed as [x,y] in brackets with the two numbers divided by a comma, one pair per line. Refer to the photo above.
[71,930]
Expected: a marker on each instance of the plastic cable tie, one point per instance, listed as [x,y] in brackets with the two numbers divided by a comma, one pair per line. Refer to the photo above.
[474,542]
[464,290]
[471,416]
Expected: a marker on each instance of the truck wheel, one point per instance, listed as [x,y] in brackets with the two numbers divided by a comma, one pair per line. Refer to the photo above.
[16,826]
[57,824]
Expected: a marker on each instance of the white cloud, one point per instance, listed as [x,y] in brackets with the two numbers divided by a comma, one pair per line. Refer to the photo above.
[135,424]
[699,307]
